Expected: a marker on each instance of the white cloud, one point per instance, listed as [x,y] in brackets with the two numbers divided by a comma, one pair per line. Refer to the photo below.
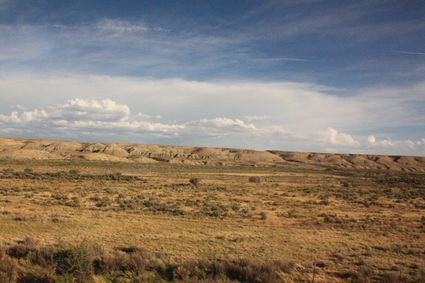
[109,116]
[104,110]
[334,137]
[400,146]
[121,26]
[222,122]
[24,117]
[279,115]
[79,117]
[371,139]
[257,118]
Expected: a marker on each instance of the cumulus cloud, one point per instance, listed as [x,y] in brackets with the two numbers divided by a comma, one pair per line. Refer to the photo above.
[109,116]
[81,118]
[401,146]
[24,117]
[333,137]
[103,110]
[371,139]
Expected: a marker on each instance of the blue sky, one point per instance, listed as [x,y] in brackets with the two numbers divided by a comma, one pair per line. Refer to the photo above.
[298,75]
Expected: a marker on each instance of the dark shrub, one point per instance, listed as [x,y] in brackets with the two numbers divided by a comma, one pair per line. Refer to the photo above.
[37,277]
[79,263]
[22,249]
[345,184]
[130,249]
[8,268]
[76,262]
[116,176]
[8,170]
[223,270]
[195,181]
[391,277]
[254,179]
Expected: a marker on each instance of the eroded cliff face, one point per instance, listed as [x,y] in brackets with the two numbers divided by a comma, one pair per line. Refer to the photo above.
[358,161]
[146,153]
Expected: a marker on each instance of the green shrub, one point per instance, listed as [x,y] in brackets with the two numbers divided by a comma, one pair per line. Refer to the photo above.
[75,262]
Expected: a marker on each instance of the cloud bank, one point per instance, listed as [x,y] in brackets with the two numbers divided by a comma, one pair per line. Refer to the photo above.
[263,115]
[100,117]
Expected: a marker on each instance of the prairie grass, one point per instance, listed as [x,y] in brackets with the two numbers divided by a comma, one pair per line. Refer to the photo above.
[152,222]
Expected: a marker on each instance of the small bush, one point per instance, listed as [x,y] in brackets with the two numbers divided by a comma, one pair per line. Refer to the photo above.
[292,213]
[79,263]
[20,218]
[195,181]
[422,225]
[28,262]
[391,277]
[8,268]
[8,170]
[331,218]
[22,249]
[73,172]
[75,262]
[28,170]
[345,184]
[254,179]
[116,176]
[239,270]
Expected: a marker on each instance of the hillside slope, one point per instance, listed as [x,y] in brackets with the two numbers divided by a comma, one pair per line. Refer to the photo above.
[11,148]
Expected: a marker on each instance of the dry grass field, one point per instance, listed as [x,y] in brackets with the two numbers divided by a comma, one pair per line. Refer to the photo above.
[101,221]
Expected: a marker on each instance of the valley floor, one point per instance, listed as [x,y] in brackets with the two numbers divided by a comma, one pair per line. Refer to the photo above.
[332,225]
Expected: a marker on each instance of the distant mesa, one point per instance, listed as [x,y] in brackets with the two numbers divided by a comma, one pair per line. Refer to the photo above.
[21,149]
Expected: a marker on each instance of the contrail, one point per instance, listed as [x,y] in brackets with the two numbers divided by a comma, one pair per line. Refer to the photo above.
[408,52]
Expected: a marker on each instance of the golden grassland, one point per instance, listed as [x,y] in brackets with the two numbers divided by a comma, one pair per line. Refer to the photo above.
[324,224]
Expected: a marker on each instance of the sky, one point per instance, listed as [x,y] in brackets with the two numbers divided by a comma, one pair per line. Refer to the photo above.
[306,75]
